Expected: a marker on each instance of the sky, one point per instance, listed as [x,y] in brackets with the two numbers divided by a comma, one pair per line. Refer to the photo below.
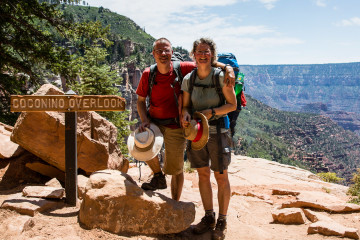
[257,31]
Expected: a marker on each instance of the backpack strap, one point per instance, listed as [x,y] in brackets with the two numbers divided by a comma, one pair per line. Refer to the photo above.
[192,83]
[192,80]
[177,71]
[152,75]
[178,79]
[216,82]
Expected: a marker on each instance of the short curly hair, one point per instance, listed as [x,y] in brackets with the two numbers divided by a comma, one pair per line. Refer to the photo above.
[211,44]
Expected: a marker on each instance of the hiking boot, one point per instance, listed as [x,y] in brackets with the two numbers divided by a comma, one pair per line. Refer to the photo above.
[207,223]
[157,182]
[220,230]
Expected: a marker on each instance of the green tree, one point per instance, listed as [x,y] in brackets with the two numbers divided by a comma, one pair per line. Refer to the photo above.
[26,49]
[96,78]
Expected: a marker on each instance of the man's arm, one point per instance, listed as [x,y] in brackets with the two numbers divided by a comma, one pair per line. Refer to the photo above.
[186,117]
[141,108]
[229,79]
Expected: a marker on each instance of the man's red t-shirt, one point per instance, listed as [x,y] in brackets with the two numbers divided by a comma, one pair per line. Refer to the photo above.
[163,104]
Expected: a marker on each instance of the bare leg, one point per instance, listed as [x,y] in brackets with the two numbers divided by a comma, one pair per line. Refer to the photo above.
[205,187]
[224,191]
[154,164]
[177,182]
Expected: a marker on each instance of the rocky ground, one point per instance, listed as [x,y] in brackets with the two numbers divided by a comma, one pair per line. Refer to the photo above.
[259,187]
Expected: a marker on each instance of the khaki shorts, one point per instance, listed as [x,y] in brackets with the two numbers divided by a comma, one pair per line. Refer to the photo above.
[209,153]
[174,150]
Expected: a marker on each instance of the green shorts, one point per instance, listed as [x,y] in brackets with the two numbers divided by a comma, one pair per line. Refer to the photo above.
[174,150]
[209,153]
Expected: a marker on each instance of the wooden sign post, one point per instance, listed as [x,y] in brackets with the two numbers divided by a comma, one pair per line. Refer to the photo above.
[70,104]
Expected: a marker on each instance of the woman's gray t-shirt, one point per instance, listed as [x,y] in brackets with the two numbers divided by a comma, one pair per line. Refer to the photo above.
[204,98]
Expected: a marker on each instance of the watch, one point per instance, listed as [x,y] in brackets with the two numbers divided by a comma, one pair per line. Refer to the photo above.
[226,65]
[213,113]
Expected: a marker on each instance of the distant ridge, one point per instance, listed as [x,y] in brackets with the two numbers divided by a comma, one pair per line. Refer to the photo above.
[290,87]
[307,140]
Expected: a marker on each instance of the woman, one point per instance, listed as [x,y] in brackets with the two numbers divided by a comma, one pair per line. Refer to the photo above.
[200,95]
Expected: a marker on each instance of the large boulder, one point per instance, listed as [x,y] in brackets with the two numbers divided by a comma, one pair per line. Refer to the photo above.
[113,202]
[43,134]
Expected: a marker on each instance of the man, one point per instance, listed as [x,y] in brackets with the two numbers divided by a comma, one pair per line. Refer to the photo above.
[164,113]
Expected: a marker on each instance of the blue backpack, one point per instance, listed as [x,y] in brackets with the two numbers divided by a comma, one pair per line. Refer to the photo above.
[229,58]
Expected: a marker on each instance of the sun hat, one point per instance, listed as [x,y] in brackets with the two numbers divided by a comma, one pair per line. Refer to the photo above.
[144,146]
[197,131]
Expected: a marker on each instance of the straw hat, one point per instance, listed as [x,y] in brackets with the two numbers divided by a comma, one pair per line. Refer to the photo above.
[144,146]
[198,131]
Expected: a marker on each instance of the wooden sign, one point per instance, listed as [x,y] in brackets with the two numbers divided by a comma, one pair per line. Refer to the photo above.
[66,103]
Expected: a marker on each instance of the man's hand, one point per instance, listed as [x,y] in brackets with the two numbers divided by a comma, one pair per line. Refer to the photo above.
[229,79]
[143,125]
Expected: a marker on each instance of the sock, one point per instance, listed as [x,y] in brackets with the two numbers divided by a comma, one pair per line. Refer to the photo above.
[222,216]
[209,212]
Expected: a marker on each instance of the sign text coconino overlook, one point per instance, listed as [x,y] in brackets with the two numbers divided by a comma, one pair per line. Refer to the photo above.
[66,103]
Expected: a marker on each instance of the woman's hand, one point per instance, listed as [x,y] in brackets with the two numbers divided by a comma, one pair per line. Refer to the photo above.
[207,113]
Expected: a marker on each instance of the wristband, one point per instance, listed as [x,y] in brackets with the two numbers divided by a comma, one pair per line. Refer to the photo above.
[226,65]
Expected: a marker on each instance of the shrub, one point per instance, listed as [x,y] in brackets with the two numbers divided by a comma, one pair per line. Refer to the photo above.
[354,189]
[330,177]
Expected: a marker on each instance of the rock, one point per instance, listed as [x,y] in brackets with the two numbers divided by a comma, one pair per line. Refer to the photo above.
[333,229]
[257,195]
[53,183]
[113,202]
[28,225]
[315,216]
[125,166]
[82,181]
[47,170]
[43,134]
[26,205]
[8,148]
[43,192]
[11,228]
[326,226]
[284,192]
[288,216]
[321,201]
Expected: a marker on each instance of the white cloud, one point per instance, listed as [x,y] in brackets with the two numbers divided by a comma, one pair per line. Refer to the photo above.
[355,21]
[184,21]
[269,4]
[321,3]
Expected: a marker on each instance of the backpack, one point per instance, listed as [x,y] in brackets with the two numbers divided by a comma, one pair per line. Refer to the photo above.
[229,58]
[176,58]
